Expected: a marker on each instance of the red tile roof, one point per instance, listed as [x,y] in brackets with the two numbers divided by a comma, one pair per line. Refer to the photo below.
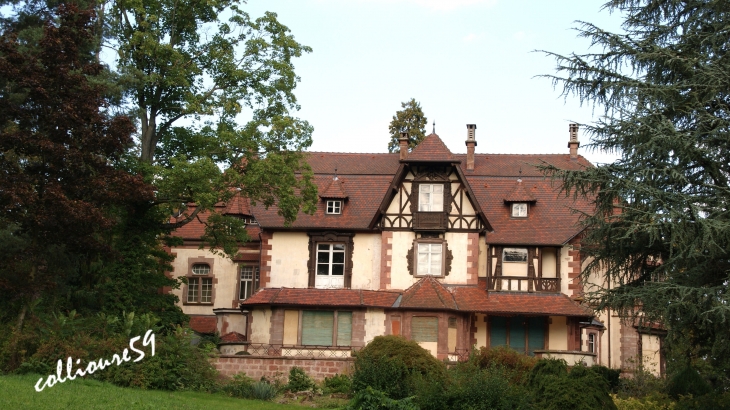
[203,324]
[194,229]
[334,190]
[519,194]
[323,297]
[471,299]
[431,148]
[428,293]
[233,337]
[238,205]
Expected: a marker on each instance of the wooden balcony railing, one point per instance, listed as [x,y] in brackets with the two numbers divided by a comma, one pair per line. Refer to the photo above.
[524,284]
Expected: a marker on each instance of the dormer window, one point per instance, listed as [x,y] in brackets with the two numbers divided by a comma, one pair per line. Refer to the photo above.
[431,198]
[334,207]
[519,210]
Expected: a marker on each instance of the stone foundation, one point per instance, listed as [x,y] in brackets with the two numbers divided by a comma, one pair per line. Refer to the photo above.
[258,366]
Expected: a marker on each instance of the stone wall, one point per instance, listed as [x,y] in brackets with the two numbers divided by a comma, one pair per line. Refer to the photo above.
[257,366]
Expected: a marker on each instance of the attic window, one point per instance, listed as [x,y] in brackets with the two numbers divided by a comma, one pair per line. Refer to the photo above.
[334,207]
[519,210]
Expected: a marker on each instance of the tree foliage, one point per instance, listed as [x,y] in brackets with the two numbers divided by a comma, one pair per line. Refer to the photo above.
[411,120]
[660,234]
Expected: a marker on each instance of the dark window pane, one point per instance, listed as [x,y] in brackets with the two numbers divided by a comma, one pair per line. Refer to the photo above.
[338,270]
[323,257]
[323,269]
[338,257]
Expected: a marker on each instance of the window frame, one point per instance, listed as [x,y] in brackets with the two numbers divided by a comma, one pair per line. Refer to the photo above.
[330,237]
[196,282]
[431,196]
[514,206]
[591,342]
[504,253]
[510,324]
[336,207]
[335,341]
[446,257]
[255,280]
[430,244]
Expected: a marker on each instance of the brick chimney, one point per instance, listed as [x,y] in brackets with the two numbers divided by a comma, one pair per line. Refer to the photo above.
[403,141]
[573,144]
[470,144]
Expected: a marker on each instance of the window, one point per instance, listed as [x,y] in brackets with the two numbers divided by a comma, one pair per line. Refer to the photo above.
[592,342]
[330,265]
[431,198]
[200,277]
[334,207]
[200,290]
[524,334]
[249,276]
[201,269]
[424,329]
[326,328]
[430,259]
[519,210]
[514,255]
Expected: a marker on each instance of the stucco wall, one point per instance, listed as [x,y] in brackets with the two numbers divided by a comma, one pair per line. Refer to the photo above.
[224,271]
[374,324]
[260,325]
[481,334]
[558,333]
[482,257]
[548,262]
[289,256]
[399,276]
[458,244]
[366,261]
[565,260]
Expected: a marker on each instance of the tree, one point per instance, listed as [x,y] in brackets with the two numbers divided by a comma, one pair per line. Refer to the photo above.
[191,71]
[661,227]
[62,188]
[411,120]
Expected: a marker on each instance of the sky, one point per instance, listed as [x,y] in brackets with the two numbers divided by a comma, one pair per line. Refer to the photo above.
[465,61]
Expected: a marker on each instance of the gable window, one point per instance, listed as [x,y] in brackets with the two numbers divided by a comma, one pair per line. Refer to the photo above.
[249,277]
[326,328]
[514,255]
[334,207]
[430,259]
[431,197]
[519,210]
[330,265]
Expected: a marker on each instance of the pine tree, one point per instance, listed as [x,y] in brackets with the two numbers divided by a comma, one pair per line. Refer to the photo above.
[410,119]
[661,228]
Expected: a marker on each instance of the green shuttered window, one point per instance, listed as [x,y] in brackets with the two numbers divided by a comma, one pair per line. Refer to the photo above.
[524,334]
[318,328]
[424,329]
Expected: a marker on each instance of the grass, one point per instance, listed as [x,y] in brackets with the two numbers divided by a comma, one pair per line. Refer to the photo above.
[18,392]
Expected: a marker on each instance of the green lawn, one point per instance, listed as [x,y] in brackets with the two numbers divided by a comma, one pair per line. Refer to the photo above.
[17,392]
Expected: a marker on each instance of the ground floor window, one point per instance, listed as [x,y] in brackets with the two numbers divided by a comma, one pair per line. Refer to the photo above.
[326,328]
[524,334]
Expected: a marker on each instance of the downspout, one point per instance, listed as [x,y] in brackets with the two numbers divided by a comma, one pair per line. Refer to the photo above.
[609,329]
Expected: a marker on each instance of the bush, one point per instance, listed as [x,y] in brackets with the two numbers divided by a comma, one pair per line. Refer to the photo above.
[339,383]
[390,364]
[708,401]
[518,365]
[658,402]
[263,391]
[555,389]
[611,376]
[299,381]
[371,399]
[642,384]
[688,382]
[240,387]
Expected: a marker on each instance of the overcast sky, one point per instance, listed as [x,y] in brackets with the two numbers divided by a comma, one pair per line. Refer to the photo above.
[465,61]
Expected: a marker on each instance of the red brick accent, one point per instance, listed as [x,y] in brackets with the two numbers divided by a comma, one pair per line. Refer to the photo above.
[256,367]
[358,328]
[472,258]
[386,259]
[265,268]
[574,270]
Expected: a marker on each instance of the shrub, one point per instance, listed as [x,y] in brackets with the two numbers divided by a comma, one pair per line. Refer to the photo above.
[339,383]
[555,389]
[642,384]
[299,381]
[263,391]
[239,387]
[658,402]
[518,365]
[371,399]
[390,364]
[708,401]
[611,376]
[688,382]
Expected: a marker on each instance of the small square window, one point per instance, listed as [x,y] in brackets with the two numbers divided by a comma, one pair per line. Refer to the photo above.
[519,210]
[514,255]
[334,207]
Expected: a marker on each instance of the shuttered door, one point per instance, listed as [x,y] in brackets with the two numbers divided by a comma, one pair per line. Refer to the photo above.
[535,334]
[424,329]
[317,327]
[517,333]
[498,331]
[344,328]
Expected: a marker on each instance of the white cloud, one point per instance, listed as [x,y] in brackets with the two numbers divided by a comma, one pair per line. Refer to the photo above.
[473,37]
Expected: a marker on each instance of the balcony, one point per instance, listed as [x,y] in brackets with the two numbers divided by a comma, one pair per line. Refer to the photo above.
[523,284]
[430,221]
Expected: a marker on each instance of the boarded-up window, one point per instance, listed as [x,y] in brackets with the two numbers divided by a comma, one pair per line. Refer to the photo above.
[317,327]
[344,328]
[424,329]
